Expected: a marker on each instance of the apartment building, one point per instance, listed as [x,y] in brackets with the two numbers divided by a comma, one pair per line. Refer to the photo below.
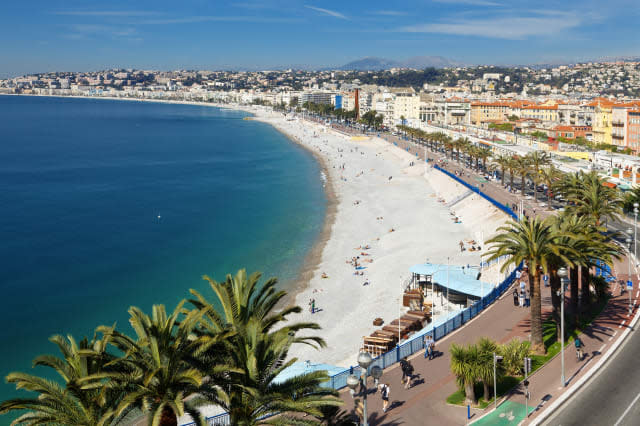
[544,113]
[487,112]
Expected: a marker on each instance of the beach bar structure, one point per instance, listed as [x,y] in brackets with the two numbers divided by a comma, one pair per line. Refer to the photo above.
[461,283]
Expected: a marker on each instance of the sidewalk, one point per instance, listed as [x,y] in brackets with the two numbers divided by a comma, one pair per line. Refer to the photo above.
[545,384]
[435,382]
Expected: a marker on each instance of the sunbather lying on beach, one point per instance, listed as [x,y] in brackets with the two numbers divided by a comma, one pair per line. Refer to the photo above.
[324,275]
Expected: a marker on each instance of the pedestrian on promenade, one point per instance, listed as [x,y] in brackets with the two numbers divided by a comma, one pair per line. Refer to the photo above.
[579,346]
[522,298]
[313,306]
[385,391]
[403,368]
[407,373]
[527,299]
[515,297]
[428,347]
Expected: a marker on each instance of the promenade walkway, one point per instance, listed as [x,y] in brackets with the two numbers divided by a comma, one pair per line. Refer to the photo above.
[426,403]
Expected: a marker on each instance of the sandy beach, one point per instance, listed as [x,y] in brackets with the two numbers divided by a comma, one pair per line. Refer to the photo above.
[384,210]
[399,212]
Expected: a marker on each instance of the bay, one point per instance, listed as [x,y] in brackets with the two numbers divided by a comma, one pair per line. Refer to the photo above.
[107,204]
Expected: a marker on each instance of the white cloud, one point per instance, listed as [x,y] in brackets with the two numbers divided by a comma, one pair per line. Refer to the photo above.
[327,12]
[196,19]
[105,13]
[470,2]
[513,28]
[389,13]
[83,30]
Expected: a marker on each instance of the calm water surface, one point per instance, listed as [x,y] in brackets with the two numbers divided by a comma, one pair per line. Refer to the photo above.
[107,204]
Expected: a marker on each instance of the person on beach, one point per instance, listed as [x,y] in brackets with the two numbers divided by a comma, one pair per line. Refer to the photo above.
[313,306]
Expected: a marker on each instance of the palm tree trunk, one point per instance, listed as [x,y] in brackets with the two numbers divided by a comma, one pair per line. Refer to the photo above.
[470,394]
[502,175]
[585,296]
[511,177]
[487,395]
[537,344]
[168,417]
[555,283]
[523,185]
[573,287]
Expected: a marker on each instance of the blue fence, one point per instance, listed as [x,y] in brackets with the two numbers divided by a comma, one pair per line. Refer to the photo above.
[477,190]
[414,345]
[339,381]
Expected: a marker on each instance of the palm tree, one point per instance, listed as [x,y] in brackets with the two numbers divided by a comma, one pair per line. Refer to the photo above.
[537,160]
[631,197]
[258,352]
[486,349]
[157,369]
[464,362]
[532,242]
[483,153]
[502,161]
[71,403]
[550,176]
[521,167]
[594,199]
[511,165]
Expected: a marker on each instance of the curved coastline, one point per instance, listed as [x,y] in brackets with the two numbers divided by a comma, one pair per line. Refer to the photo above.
[405,204]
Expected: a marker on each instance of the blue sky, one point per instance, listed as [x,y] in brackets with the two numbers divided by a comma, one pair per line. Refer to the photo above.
[55,35]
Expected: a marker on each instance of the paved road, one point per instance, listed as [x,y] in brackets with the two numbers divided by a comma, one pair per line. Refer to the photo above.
[612,397]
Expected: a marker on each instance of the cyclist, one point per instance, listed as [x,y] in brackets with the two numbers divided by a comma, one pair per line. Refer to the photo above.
[579,346]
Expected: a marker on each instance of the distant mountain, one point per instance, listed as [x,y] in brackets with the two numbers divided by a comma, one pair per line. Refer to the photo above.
[370,64]
[418,62]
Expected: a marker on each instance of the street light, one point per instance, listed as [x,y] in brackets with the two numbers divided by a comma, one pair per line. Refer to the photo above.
[364,360]
[629,290]
[635,228]
[562,273]
[496,358]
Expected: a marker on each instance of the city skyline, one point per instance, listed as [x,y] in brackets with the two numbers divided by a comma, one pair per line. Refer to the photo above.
[72,36]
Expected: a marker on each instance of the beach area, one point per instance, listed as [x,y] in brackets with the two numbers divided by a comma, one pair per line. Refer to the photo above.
[388,211]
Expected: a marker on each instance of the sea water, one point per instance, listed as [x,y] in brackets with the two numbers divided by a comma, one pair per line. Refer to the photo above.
[107,204]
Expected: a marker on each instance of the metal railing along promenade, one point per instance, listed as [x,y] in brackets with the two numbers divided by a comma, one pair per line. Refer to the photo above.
[416,344]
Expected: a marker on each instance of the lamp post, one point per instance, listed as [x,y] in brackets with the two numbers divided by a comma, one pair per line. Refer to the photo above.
[562,273]
[496,358]
[635,230]
[364,361]
[629,290]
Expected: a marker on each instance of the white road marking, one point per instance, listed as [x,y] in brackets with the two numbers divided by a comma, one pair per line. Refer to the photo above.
[622,323]
[627,410]
[612,336]
[601,348]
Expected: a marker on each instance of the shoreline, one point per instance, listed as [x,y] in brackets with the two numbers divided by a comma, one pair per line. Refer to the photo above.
[345,306]
[311,260]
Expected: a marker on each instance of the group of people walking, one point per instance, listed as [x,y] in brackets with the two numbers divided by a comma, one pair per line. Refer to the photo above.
[521,296]
[407,372]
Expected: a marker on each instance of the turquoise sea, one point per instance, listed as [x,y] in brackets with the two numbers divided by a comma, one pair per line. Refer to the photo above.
[107,204]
